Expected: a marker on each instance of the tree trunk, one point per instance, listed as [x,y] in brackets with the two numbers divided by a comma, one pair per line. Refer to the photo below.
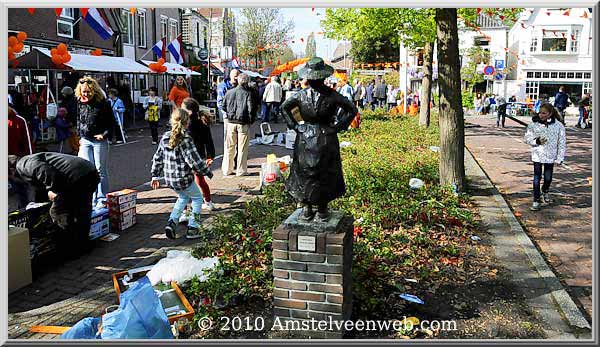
[452,132]
[426,86]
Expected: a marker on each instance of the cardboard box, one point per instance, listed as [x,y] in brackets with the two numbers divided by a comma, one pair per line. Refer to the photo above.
[99,224]
[19,259]
[123,220]
[120,197]
[117,209]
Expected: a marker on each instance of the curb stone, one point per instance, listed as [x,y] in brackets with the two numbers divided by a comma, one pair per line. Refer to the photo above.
[557,307]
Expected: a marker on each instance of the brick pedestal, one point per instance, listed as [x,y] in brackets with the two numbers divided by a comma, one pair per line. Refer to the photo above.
[312,269]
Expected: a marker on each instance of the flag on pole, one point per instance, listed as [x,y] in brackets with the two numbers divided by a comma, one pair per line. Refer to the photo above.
[160,48]
[176,50]
[234,63]
[100,25]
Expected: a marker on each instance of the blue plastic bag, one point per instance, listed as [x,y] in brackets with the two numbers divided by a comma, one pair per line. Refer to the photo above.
[140,315]
[86,328]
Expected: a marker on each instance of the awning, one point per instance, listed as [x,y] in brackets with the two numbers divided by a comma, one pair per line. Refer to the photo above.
[253,74]
[215,70]
[175,69]
[39,58]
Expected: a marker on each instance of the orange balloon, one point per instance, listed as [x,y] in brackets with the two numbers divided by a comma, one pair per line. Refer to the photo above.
[11,56]
[22,36]
[66,57]
[12,41]
[161,61]
[10,50]
[56,60]
[163,69]
[18,47]
[53,51]
[62,48]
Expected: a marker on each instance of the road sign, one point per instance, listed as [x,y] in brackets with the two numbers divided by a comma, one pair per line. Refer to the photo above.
[488,70]
[203,53]
[499,77]
[499,64]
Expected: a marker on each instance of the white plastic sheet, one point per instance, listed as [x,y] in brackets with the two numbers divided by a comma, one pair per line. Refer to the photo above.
[180,266]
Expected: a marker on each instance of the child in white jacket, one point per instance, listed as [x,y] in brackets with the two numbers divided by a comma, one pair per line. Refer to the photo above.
[547,139]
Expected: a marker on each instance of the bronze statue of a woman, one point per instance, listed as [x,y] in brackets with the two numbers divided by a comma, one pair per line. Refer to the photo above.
[317,114]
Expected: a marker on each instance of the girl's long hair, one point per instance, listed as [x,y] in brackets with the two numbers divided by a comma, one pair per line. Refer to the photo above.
[98,96]
[180,120]
[190,104]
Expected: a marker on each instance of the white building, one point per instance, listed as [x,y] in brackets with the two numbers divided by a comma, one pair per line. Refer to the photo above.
[551,47]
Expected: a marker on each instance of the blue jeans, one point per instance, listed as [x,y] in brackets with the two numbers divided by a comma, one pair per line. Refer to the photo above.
[264,109]
[581,114]
[192,192]
[97,152]
[537,177]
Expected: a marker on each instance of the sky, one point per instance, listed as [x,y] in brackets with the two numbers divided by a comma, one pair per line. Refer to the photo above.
[305,22]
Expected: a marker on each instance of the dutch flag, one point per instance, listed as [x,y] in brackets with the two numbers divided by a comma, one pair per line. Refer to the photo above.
[100,25]
[176,50]
[160,48]
[234,63]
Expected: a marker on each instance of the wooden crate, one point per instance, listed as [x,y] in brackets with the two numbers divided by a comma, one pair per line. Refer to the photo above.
[189,314]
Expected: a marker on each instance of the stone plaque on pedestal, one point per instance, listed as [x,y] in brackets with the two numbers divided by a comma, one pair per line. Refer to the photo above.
[312,269]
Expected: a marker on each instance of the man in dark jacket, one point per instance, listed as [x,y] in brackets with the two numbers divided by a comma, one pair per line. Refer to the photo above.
[561,101]
[69,182]
[240,106]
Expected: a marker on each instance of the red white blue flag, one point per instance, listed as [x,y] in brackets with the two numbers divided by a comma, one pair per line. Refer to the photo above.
[99,23]
[160,48]
[176,50]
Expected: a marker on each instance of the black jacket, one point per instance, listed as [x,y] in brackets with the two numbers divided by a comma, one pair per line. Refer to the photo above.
[202,137]
[240,105]
[57,172]
[70,103]
[95,119]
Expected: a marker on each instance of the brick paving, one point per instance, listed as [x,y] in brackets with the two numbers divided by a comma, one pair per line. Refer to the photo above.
[562,231]
[66,292]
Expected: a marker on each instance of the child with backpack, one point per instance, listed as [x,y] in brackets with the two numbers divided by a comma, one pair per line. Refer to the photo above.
[177,159]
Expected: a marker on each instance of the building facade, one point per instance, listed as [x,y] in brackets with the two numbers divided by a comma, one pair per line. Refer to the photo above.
[194,31]
[554,48]
[222,39]
[46,30]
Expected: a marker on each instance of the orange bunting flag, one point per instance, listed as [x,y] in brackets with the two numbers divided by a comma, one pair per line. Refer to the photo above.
[84,12]
[132,10]
[478,11]
[548,13]
[302,39]
[313,9]
[278,61]
[567,13]
[585,15]
[563,35]
[572,36]
[502,17]
[58,11]
[31,10]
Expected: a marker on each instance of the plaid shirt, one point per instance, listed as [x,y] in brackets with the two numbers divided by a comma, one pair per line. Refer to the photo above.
[178,165]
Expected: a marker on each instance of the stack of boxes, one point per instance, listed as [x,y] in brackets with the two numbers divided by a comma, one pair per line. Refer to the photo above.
[99,223]
[121,206]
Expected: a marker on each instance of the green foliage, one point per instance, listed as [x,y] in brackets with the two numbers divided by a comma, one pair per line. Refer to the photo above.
[467,100]
[399,232]
[311,46]
[262,27]
[474,56]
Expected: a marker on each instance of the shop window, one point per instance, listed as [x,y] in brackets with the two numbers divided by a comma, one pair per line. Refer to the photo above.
[554,41]
[538,74]
[587,87]
[172,30]
[570,75]
[546,74]
[578,75]
[529,74]
[587,75]
[68,13]
[562,75]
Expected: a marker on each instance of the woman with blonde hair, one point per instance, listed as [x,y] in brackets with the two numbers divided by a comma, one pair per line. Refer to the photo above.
[176,160]
[95,122]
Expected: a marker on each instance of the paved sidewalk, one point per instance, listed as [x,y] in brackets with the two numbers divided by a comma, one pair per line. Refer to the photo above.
[68,292]
[562,231]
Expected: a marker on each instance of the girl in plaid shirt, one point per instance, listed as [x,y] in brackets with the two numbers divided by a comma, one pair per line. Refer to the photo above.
[177,159]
